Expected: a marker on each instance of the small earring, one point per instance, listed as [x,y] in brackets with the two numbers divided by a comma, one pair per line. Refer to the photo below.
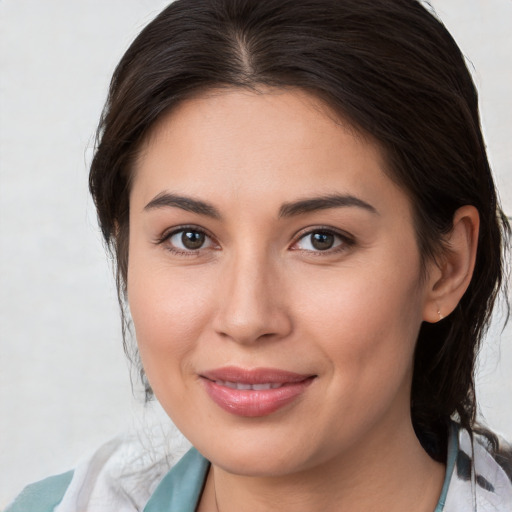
[440,314]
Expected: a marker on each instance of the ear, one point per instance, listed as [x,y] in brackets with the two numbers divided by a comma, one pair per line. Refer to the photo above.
[449,276]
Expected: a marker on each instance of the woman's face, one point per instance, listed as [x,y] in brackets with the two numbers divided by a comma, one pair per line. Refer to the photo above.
[274,282]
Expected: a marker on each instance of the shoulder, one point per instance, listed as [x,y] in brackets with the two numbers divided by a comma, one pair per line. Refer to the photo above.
[42,496]
[481,474]
[121,475]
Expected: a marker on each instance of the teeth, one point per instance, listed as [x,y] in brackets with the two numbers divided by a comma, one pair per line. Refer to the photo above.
[244,387]
[261,386]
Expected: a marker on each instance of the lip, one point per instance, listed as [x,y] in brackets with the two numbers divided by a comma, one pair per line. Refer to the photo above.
[285,387]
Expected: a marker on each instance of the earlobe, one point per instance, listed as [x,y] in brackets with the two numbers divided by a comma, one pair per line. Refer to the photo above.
[452,273]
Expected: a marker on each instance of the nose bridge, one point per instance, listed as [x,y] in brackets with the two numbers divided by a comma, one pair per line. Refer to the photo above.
[251,304]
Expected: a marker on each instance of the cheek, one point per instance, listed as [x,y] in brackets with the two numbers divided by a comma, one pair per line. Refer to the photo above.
[366,319]
[169,312]
[367,347]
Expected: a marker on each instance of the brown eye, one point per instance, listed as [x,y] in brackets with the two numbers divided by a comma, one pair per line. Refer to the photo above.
[192,239]
[322,241]
[189,240]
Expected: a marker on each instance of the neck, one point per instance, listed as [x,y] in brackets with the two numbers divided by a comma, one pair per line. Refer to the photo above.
[369,477]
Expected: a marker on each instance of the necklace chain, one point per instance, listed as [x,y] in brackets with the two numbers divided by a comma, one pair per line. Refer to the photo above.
[215,492]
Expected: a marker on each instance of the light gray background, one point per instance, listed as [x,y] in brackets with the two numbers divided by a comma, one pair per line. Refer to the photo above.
[64,381]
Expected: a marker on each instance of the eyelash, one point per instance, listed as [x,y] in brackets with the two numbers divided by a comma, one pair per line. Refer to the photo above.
[166,237]
[345,241]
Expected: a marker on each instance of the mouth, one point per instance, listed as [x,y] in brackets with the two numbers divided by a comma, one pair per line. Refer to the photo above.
[245,386]
[254,392]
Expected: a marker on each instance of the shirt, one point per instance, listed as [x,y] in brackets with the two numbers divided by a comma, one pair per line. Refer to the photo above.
[121,476]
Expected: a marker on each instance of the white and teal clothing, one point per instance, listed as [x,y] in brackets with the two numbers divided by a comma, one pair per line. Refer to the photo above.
[122,477]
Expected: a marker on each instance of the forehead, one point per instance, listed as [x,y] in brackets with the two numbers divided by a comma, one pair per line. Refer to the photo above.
[263,144]
[207,118]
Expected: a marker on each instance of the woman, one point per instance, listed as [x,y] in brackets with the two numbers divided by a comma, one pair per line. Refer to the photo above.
[308,238]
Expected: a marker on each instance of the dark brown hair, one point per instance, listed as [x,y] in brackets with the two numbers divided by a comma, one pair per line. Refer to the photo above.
[391,69]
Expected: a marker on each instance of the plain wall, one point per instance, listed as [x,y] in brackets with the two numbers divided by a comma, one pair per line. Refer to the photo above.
[64,380]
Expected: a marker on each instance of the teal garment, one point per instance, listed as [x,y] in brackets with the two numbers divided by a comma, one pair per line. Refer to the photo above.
[182,487]
[453,450]
[42,496]
[179,490]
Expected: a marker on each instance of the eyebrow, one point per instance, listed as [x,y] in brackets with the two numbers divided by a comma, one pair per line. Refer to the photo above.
[323,203]
[166,199]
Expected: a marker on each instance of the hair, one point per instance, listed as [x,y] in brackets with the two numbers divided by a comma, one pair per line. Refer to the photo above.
[388,67]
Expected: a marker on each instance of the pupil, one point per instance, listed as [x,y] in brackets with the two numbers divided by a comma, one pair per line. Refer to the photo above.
[192,239]
[322,241]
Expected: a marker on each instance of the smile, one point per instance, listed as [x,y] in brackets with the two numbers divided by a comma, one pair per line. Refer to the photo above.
[254,393]
[244,386]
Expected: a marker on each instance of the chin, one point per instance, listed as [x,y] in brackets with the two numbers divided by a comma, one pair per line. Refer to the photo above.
[260,455]
[258,463]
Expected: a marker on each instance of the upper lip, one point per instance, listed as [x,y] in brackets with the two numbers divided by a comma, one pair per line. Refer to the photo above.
[254,375]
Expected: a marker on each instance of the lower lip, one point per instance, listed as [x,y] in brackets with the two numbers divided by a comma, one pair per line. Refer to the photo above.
[254,403]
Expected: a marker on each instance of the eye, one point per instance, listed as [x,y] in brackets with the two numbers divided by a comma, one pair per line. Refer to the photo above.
[322,240]
[188,240]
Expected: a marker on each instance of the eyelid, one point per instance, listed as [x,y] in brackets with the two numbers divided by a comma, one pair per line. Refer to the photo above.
[347,240]
[170,232]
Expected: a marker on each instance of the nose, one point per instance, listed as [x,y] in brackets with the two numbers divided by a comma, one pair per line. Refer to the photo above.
[252,303]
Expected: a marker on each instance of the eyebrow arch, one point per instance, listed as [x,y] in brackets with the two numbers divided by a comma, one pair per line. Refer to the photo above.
[168,200]
[323,203]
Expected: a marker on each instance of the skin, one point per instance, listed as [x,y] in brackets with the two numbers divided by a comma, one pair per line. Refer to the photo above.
[257,293]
